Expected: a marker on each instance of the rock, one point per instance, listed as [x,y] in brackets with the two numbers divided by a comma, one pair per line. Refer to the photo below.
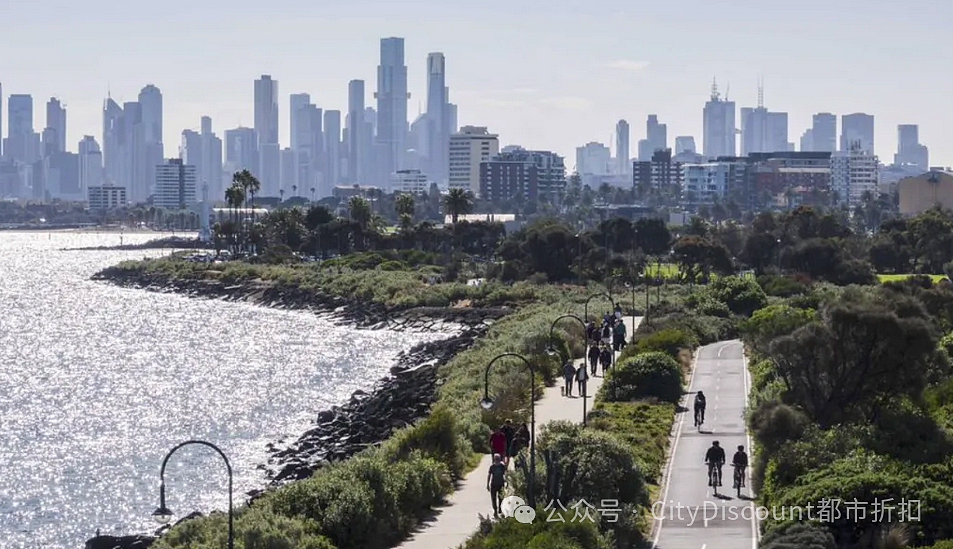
[123,542]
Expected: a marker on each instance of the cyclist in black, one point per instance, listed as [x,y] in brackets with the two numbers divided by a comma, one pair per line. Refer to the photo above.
[740,463]
[715,458]
[699,409]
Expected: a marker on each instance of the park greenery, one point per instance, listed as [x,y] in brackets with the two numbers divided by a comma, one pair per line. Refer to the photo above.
[852,386]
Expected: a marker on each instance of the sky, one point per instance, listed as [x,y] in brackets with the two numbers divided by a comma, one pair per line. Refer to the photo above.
[549,75]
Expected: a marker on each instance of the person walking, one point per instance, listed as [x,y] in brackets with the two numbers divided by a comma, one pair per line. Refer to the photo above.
[569,373]
[496,482]
[509,432]
[606,333]
[605,358]
[498,442]
[618,336]
[593,358]
[581,377]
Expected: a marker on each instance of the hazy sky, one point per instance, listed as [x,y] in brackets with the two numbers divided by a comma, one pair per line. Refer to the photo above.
[546,75]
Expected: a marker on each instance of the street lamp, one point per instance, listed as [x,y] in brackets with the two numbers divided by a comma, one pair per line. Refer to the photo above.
[590,298]
[630,285]
[551,351]
[163,515]
[779,257]
[486,403]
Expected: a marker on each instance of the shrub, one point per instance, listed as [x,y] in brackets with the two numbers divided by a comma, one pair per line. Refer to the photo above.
[802,535]
[392,266]
[541,534]
[781,286]
[774,424]
[651,374]
[668,340]
[437,436]
[255,528]
[742,295]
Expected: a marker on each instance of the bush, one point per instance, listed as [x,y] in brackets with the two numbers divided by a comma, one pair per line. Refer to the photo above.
[799,535]
[255,528]
[651,374]
[541,534]
[437,436]
[773,424]
[742,295]
[669,341]
[781,286]
[392,266]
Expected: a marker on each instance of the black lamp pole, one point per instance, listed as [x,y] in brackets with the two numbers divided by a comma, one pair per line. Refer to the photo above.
[162,515]
[487,403]
[590,298]
[552,351]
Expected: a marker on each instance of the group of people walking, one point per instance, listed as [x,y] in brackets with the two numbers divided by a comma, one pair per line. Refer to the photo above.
[602,341]
[505,442]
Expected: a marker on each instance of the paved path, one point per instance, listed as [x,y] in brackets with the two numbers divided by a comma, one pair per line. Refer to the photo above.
[459,518]
[721,372]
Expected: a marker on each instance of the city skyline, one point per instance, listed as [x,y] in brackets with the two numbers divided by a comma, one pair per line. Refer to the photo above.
[590,89]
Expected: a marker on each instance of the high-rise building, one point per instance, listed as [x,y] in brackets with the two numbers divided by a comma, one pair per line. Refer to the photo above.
[356,156]
[175,185]
[332,152]
[307,143]
[623,166]
[909,150]
[824,132]
[656,134]
[409,181]
[467,149]
[266,128]
[438,122]
[297,103]
[763,130]
[152,151]
[392,99]
[56,122]
[22,145]
[857,128]
[719,125]
[807,140]
[210,173]
[853,173]
[289,174]
[593,159]
[90,164]
[684,144]
[112,142]
[241,150]
[509,175]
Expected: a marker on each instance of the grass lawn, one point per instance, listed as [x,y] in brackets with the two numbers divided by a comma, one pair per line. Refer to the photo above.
[667,270]
[897,277]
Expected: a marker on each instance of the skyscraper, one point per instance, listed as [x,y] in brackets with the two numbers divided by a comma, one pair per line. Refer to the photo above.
[112,143]
[134,166]
[622,164]
[684,144]
[153,151]
[332,152]
[298,101]
[719,125]
[857,127]
[807,140]
[355,132]
[266,128]
[909,150]
[241,150]
[824,132]
[438,122]
[176,185]
[90,163]
[763,130]
[56,121]
[203,150]
[391,107]
[22,140]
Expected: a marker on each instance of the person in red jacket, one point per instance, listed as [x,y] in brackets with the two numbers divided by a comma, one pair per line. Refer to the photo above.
[498,442]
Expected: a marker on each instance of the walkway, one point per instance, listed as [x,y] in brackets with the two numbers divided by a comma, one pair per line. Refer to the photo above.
[459,518]
[707,521]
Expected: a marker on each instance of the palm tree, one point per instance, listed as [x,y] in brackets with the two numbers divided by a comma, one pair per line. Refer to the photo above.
[359,210]
[281,194]
[294,190]
[235,197]
[312,194]
[404,206]
[457,202]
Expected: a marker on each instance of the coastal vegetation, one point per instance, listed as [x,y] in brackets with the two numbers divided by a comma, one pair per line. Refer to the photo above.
[809,307]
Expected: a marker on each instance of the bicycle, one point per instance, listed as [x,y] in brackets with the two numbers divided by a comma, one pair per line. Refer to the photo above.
[699,416]
[714,476]
[739,478]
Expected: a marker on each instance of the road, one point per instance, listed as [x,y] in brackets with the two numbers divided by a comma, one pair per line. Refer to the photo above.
[459,518]
[694,517]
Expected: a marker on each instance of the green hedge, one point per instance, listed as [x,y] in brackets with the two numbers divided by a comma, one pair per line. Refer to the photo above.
[649,374]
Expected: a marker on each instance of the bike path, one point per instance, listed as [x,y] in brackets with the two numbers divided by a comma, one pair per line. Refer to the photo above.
[694,517]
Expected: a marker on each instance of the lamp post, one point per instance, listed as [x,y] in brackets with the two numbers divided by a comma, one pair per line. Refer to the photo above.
[779,257]
[590,298]
[163,515]
[551,350]
[487,403]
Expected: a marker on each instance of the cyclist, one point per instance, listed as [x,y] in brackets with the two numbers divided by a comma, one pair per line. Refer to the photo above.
[740,463]
[715,458]
[699,408]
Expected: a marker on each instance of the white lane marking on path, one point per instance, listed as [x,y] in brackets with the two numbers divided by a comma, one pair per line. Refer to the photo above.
[667,476]
[755,530]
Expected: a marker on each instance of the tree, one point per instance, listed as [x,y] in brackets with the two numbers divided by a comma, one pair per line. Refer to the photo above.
[405,207]
[652,236]
[699,256]
[457,202]
[360,211]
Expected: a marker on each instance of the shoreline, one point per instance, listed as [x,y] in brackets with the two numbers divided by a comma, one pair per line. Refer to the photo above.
[368,418]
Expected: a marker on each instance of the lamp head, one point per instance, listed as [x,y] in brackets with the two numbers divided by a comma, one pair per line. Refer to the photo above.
[486,402]
[551,351]
[162,515]
[628,284]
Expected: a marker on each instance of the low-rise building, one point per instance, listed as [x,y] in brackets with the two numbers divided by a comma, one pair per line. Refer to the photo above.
[410,181]
[922,192]
[106,197]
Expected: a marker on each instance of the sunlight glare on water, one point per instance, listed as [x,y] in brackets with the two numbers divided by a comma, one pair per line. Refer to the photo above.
[98,382]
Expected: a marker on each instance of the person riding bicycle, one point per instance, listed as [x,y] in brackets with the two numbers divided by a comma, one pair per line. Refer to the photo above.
[740,462]
[699,408]
[715,458]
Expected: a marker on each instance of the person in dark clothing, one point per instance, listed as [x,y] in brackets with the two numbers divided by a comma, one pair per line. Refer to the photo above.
[509,431]
[618,336]
[715,458]
[495,482]
[740,462]
[593,358]
[605,358]
[498,442]
[581,377]
[521,440]
[606,333]
[569,374]
[699,409]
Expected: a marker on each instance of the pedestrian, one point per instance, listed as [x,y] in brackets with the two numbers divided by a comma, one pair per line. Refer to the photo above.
[495,482]
[521,440]
[498,442]
[605,358]
[606,333]
[581,377]
[509,432]
[593,357]
[569,372]
[618,312]
[618,336]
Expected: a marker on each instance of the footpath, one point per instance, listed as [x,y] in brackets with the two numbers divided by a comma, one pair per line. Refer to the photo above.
[459,517]
[694,516]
